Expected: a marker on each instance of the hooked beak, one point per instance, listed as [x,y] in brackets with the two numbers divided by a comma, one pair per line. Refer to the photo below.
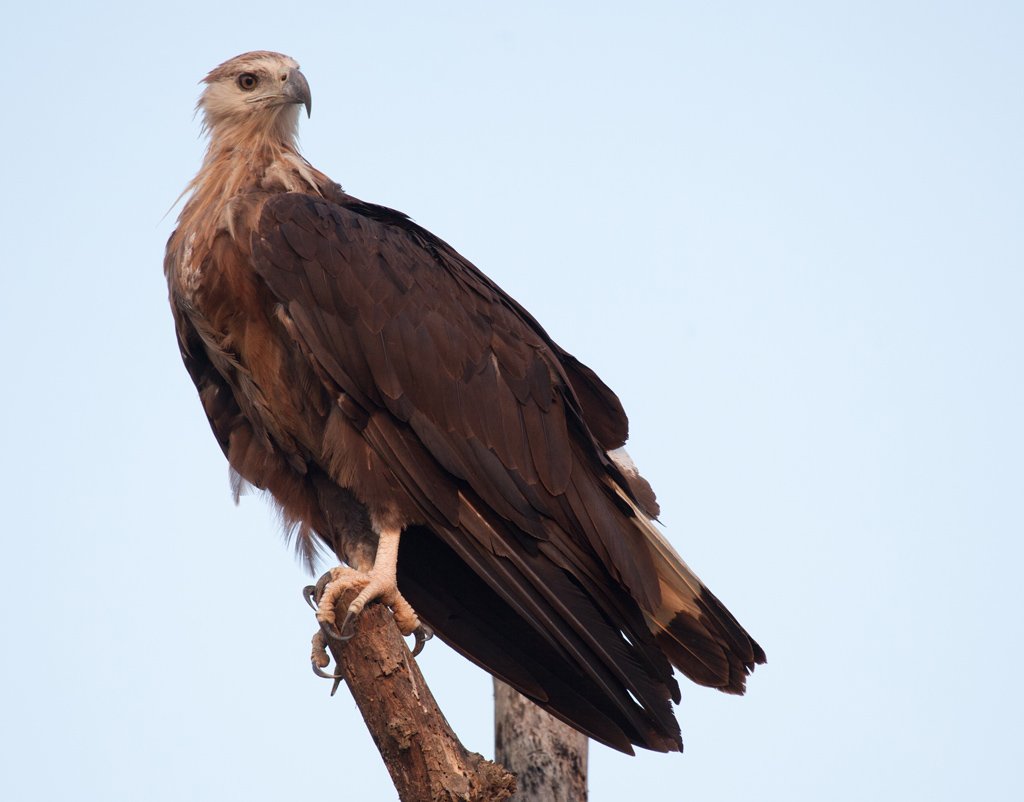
[296,89]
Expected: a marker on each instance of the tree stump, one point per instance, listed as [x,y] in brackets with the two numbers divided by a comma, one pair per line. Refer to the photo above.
[549,758]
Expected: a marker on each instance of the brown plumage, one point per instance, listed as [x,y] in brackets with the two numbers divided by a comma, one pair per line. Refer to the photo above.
[371,379]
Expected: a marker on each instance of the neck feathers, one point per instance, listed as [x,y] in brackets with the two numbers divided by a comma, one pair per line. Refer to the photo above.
[274,127]
[255,155]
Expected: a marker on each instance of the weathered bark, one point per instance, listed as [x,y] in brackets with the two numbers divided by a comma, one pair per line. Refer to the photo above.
[549,758]
[426,760]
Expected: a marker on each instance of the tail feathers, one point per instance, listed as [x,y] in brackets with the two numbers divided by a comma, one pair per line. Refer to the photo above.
[696,631]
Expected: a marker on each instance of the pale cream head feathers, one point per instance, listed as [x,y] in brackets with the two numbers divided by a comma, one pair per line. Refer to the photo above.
[260,92]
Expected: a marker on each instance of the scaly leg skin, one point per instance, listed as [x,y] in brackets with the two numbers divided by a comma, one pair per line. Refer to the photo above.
[379,583]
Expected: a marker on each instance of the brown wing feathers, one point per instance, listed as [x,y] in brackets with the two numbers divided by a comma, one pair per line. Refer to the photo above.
[498,437]
[478,623]
[416,301]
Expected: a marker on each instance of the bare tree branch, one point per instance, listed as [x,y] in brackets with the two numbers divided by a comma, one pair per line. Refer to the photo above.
[425,758]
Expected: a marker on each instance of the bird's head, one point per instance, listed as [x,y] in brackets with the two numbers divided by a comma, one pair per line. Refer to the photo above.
[255,93]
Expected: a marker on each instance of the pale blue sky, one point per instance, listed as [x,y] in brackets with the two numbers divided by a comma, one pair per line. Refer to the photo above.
[788,235]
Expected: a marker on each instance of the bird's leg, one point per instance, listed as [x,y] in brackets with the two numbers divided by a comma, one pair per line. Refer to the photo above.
[379,582]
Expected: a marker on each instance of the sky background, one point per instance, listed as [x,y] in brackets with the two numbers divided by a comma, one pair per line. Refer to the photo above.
[789,235]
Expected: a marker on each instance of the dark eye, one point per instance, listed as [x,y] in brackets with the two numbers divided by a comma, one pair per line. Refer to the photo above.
[247,81]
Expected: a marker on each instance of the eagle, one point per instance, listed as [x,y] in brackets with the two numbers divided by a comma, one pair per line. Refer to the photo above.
[409,417]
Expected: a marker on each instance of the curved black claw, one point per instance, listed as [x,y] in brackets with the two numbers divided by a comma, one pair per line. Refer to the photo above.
[422,634]
[321,673]
[332,632]
[312,595]
[321,583]
[347,629]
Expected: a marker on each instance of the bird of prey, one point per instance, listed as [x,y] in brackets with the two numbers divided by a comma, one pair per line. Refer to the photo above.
[383,390]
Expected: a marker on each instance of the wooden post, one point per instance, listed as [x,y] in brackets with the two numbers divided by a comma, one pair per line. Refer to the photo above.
[425,758]
[549,758]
